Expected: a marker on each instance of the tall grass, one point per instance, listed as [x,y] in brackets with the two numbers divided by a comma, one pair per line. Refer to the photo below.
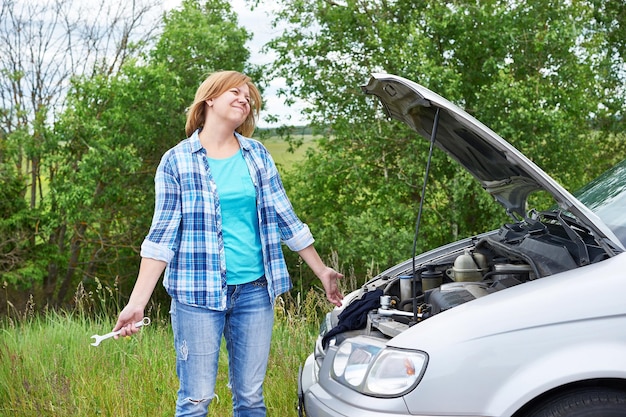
[49,367]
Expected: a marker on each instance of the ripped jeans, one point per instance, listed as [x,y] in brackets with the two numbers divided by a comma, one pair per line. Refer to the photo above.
[246,325]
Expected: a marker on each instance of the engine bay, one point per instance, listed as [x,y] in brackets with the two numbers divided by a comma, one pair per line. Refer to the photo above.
[546,244]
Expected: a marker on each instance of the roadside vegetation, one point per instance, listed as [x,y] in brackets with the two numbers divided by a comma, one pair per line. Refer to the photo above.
[49,367]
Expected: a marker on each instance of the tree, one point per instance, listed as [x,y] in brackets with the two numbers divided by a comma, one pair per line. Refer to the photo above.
[120,125]
[14,221]
[98,150]
[43,44]
[535,72]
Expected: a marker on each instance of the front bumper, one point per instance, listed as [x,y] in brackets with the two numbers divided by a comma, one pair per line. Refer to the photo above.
[316,403]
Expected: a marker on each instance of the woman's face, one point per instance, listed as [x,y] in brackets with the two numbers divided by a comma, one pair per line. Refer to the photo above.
[233,105]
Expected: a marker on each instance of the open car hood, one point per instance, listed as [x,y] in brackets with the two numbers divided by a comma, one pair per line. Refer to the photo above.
[502,170]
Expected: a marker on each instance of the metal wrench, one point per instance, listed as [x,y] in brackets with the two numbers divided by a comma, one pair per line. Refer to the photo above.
[144,322]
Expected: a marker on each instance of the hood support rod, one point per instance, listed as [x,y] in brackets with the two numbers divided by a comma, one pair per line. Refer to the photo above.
[433,137]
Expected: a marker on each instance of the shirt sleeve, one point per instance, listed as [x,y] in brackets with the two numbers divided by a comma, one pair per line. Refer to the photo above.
[162,240]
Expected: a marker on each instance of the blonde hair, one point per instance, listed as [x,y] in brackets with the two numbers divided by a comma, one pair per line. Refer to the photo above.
[216,84]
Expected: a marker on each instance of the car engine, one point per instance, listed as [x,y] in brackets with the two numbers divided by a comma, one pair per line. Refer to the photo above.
[537,247]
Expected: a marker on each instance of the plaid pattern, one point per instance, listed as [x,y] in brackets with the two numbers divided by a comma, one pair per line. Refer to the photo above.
[186,229]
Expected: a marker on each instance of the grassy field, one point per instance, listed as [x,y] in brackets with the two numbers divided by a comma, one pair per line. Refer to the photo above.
[280,150]
[49,367]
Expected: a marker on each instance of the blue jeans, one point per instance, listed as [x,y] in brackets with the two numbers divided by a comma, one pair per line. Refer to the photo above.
[246,324]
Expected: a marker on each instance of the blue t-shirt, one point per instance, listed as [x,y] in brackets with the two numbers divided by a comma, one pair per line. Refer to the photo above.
[240,226]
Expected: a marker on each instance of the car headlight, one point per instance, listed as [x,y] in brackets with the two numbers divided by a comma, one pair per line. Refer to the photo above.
[366,365]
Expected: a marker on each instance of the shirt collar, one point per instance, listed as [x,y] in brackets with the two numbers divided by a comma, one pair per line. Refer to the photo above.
[196,146]
[244,142]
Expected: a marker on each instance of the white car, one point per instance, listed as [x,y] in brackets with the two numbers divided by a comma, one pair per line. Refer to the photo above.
[525,321]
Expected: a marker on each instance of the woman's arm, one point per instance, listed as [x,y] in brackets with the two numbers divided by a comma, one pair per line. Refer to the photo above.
[150,271]
[327,275]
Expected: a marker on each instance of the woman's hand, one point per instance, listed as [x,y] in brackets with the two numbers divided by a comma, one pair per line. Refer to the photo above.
[127,319]
[330,278]
[149,272]
[327,275]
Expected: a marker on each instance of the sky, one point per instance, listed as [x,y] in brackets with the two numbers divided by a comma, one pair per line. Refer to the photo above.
[258,22]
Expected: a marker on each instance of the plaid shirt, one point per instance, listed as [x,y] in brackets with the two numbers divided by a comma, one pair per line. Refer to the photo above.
[186,230]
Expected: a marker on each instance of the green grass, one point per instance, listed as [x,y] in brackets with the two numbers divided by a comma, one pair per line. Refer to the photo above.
[279,149]
[49,367]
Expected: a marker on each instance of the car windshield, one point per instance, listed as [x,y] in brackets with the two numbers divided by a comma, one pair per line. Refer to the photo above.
[606,197]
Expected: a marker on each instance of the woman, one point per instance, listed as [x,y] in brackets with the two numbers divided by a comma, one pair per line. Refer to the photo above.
[220,216]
